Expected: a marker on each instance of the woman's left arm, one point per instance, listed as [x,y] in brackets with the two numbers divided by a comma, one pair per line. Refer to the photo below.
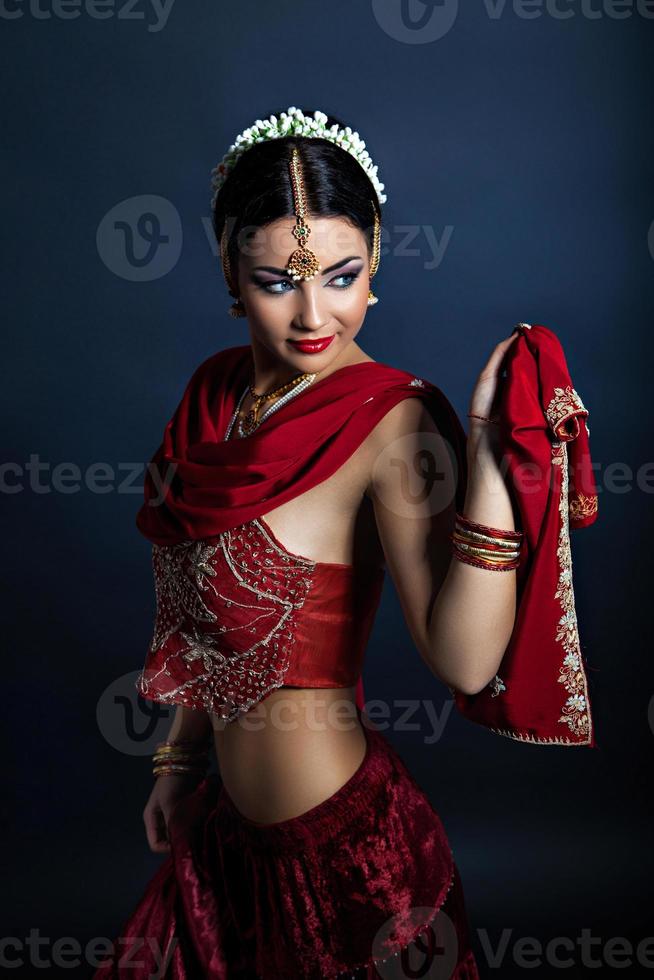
[460,616]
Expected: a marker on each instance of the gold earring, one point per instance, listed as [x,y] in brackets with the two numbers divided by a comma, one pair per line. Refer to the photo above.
[374,258]
[236,309]
[303,263]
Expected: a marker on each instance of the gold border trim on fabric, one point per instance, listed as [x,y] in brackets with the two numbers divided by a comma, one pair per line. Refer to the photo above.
[576,710]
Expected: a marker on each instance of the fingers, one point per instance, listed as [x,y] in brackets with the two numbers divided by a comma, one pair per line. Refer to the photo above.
[497,354]
[155,830]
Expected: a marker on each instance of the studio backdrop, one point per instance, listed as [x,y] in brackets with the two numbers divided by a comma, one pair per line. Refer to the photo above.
[515,143]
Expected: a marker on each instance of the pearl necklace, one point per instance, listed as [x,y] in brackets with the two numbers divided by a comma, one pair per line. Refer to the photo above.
[300,386]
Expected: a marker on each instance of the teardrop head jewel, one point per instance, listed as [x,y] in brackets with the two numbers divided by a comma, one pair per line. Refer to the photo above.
[303,263]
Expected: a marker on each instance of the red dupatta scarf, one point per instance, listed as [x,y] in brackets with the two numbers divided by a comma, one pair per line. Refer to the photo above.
[198,484]
[540,693]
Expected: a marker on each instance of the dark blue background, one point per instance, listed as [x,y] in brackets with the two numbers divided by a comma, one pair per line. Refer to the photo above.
[530,138]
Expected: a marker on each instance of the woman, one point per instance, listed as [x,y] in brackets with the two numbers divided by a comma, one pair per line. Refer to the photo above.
[317,855]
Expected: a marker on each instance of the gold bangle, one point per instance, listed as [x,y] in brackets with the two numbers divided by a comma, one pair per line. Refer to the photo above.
[173,772]
[490,566]
[476,536]
[197,745]
[500,550]
[175,768]
[485,552]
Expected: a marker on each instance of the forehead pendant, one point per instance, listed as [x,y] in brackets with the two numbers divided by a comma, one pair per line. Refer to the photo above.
[303,263]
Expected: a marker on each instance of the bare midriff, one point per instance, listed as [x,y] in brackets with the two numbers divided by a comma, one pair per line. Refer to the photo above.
[290,752]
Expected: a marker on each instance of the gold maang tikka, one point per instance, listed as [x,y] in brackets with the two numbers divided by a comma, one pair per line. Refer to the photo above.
[303,263]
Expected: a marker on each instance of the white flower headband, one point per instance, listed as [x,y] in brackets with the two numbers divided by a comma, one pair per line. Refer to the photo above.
[293,122]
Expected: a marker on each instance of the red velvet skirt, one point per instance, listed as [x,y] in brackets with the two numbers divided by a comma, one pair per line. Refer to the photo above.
[362,885]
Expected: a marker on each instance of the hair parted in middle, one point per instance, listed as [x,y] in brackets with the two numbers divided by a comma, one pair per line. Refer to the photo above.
[259,191]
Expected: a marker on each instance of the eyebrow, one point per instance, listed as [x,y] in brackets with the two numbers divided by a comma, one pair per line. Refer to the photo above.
[283,272]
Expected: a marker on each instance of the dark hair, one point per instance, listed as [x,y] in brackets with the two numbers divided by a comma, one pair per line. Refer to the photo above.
[258,190]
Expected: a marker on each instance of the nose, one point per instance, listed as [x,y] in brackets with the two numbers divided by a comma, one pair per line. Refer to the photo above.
[311,313]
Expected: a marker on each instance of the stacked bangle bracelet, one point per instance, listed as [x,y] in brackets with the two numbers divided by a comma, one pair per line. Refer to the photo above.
[173,758]
[486,547]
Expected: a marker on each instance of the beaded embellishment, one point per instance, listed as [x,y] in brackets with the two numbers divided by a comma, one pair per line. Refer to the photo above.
[224,628]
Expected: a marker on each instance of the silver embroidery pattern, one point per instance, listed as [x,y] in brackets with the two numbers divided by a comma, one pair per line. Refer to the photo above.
[225,621]
[178,580]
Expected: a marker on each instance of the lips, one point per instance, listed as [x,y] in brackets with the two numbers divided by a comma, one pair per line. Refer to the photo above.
[312,346]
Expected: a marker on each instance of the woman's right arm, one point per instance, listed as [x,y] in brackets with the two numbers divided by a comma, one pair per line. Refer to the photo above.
[189,725]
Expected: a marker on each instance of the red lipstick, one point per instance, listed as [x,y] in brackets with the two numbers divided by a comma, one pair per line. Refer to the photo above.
[312,346]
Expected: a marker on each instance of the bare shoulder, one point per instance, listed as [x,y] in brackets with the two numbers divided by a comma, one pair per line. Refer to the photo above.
[397,441]
[409,415]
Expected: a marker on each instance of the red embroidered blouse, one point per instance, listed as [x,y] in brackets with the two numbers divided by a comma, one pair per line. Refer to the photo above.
[238,615]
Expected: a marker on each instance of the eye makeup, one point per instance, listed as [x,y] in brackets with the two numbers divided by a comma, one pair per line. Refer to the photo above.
[270,285]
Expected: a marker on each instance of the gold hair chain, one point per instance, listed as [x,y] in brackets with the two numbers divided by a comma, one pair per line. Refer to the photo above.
[303,263]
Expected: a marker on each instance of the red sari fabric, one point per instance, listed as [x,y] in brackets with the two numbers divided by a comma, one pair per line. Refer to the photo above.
[218,484]
[362,885]
[540,693]
[198,484]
